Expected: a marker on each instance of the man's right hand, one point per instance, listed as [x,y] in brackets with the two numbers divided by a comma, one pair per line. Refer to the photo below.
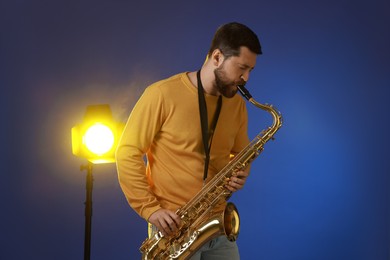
[166,221]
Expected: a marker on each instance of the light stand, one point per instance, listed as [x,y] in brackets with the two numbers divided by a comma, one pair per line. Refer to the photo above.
[95,139]
[88,210]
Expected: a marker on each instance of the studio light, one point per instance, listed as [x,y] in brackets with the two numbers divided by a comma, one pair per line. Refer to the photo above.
[95,139]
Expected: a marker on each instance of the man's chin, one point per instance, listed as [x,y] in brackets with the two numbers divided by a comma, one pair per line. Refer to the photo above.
[231,93]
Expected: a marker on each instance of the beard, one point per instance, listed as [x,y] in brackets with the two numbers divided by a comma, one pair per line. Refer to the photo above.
[225,86]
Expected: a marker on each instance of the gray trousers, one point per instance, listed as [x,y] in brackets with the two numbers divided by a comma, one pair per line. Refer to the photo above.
[219,248]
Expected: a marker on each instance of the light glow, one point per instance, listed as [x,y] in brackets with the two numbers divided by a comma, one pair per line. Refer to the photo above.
[99,139]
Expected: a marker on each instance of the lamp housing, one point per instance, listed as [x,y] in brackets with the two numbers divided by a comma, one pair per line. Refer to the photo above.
[97,137]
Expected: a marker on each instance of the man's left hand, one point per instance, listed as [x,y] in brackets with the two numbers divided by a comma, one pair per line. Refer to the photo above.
[237,181]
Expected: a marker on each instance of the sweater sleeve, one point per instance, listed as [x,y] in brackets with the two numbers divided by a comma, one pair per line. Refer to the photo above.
[144,122]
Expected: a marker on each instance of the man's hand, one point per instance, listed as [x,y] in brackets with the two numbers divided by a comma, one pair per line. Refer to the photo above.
[237,181]
[166,221]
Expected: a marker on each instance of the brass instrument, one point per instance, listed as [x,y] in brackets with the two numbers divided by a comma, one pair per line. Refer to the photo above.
[200,222]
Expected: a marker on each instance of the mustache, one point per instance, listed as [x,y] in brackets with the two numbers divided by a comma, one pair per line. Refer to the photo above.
[241,83]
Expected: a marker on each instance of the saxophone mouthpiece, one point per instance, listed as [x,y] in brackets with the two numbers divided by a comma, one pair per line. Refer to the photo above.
[244,92]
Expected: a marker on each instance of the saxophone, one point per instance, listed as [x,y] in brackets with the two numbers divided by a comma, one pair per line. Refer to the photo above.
[199,221]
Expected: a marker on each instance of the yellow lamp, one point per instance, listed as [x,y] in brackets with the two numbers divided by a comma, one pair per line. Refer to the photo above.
[97,137]
[96,140]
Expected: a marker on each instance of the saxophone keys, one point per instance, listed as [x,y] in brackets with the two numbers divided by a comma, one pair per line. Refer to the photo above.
[174,248]
[162,243]
[187,237]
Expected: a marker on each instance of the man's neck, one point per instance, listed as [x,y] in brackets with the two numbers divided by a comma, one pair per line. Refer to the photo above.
[206,79]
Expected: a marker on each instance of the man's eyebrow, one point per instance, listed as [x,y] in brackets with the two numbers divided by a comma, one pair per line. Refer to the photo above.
[246,66]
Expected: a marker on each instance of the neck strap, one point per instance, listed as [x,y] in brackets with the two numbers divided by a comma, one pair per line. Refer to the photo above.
[207,135]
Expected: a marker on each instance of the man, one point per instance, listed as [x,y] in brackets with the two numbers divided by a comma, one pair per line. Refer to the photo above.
[165,125]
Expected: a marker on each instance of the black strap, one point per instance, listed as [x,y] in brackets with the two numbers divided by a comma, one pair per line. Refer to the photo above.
[207,135]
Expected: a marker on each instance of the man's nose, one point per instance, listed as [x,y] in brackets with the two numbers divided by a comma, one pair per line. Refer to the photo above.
[245,76]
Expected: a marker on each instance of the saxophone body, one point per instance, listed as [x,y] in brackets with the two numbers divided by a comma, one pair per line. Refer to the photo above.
[200,221]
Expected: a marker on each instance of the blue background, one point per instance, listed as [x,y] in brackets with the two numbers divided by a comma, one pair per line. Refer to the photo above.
[319,191]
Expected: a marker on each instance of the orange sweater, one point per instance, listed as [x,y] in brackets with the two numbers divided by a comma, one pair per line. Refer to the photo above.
[165,126]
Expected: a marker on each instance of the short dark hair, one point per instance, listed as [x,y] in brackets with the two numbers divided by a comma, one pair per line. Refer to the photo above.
[231,36]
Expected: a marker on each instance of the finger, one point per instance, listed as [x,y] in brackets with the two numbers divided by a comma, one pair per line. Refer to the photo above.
[176,218]
[164,228]
[240,181]
[231,188]
[171,226]
[170,222]
[242,174]
[235,184]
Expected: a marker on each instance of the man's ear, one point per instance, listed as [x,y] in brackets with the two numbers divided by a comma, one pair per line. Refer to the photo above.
[217,57]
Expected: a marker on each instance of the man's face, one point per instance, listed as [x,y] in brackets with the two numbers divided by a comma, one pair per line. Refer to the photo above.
[234,71]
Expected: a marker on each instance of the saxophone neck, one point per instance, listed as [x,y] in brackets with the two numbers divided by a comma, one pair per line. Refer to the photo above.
[245,93]
[275,114]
